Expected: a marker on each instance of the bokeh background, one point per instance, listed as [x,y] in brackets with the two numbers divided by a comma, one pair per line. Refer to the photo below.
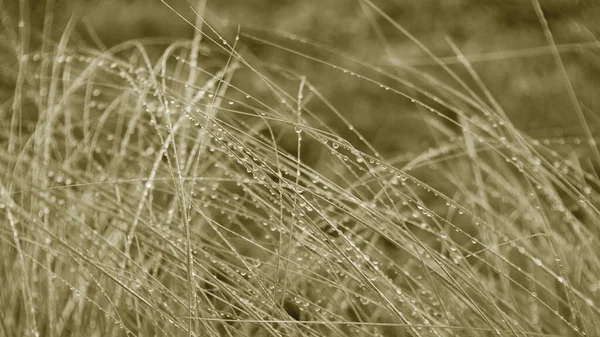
[503,40]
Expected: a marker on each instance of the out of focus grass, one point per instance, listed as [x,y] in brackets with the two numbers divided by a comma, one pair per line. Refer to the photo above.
[285,168]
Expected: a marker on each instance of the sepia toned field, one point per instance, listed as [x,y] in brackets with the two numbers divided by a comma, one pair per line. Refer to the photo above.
[299,168]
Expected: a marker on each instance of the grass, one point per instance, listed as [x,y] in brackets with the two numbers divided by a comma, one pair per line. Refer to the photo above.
[196,187]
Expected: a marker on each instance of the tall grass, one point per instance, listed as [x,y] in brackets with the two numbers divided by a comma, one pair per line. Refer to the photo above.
[209,192]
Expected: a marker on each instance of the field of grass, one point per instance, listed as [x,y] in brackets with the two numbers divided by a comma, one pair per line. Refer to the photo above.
[299,168]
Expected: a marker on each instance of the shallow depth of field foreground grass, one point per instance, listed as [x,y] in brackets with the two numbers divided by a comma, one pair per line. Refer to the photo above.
[239,180]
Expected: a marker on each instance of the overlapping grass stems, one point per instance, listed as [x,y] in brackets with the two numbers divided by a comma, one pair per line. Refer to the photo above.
[149,197]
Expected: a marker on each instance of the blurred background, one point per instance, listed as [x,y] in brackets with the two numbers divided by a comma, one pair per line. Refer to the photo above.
[503,41]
